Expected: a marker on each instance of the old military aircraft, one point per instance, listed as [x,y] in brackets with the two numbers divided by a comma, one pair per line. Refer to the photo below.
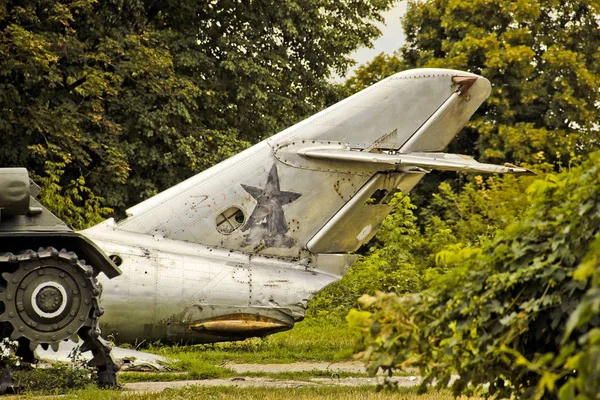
[238,250]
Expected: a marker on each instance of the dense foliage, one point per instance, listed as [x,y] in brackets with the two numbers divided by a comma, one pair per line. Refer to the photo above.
[390,267]
[521,313]
[406,256]
[541,57]
[512,298]
[108,101]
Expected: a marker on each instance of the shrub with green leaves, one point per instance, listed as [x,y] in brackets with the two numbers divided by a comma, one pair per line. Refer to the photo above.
[520,317]
[389,265]
[404,257]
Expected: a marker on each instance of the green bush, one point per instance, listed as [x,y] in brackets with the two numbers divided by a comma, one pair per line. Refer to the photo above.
[520,316]
[55,379]
[405,256]
[389,265]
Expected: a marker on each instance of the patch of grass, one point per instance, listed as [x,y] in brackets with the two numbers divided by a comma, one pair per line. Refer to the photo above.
[129,377]
[188,366]
[311,340]
[315,339]
[322,339]
[233,393]
[197,367]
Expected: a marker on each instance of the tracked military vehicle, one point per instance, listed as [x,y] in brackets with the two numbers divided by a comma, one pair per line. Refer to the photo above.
[49,290]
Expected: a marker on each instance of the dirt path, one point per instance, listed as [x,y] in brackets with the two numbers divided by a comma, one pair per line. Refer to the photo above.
[244,382]
[267,382]
[135,359]
[347,366]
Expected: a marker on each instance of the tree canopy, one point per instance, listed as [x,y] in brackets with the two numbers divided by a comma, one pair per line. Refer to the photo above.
[510,274]
[108,102]
[541,57]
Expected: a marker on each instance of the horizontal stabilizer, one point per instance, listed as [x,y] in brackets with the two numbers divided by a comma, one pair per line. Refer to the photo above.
[270,198]
[417,162]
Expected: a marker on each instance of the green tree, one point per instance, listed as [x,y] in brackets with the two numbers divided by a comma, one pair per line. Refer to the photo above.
[407,255]
[121,99]
[542,59]
[480,208]
[265,63]
[51,110]
[389,264]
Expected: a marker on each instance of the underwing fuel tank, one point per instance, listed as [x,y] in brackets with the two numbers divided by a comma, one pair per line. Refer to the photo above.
[49,289]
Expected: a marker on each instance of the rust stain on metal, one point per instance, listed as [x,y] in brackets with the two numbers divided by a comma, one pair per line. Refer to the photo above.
[195,206]
[465,82]
[217,202]
[239,323]
[385,142]
[214,201]
[337,187]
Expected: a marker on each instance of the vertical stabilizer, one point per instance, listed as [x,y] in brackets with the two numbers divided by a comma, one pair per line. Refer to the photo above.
[276,199]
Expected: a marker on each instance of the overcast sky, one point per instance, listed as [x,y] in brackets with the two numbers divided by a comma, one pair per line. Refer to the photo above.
[391,39]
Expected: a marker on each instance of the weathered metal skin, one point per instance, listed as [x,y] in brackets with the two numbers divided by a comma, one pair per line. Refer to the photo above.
[168,287]
[403,103]
[239,249]
[14,197]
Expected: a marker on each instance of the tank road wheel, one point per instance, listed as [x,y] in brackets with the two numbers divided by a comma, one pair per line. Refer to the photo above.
[50,296]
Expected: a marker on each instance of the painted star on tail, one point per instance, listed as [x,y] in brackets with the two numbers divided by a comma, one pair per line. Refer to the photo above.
[267,223]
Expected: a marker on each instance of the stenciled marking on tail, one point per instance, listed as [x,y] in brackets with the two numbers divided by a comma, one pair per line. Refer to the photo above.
[267,225]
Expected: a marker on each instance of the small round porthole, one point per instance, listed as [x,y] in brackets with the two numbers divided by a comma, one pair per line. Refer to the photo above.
[230,220]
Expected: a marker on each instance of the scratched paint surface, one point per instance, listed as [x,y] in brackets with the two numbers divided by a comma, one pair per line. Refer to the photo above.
[189,211]
[162,292]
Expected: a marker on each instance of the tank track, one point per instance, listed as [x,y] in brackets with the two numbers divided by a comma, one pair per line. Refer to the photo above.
[51,296]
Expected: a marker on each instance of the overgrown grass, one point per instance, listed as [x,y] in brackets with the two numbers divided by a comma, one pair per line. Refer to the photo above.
[55,379]
[233,393]
[325,339]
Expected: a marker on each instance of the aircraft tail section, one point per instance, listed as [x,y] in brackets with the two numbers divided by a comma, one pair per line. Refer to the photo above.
[322,185]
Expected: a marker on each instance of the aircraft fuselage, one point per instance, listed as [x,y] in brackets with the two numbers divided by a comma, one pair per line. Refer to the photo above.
[189,293]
